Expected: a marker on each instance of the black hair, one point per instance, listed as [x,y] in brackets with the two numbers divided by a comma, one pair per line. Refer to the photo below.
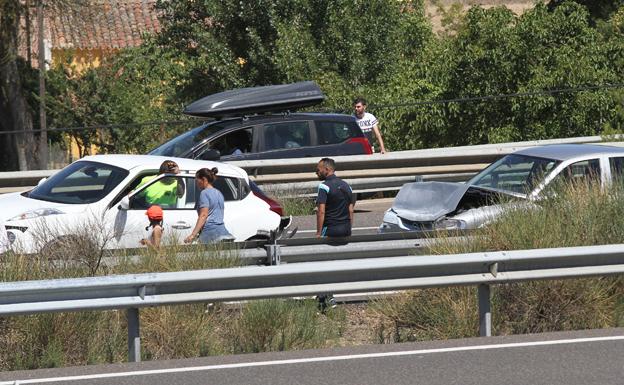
[168,167]
[329,163]
[359,99]
[206,173]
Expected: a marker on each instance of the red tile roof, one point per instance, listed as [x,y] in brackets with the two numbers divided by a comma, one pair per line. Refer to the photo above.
[107,24]
[104,25]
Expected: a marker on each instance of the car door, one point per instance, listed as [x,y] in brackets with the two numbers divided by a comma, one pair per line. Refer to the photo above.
[179,217]
[339,138]
[587,171]
[238,144]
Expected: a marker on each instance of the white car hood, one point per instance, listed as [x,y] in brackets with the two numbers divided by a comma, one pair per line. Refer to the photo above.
[428,201]
[14,204]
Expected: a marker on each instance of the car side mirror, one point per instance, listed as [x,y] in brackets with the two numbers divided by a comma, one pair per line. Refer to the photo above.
[210,154]
[41,181]
[124,204]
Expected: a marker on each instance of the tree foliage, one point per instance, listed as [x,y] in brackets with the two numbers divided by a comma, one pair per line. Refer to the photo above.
[495,77]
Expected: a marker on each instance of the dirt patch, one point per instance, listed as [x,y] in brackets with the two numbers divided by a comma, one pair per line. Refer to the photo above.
[435,14]
[359,328]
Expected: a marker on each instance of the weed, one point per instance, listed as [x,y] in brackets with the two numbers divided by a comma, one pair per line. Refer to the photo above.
[277,325]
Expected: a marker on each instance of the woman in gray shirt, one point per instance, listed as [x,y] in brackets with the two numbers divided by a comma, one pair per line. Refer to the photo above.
[209,227]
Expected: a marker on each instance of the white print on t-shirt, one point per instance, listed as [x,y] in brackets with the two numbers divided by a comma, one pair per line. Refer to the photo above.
[367,122]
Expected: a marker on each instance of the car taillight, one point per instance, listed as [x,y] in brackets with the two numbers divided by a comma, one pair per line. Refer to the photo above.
[368,149]
[273,205]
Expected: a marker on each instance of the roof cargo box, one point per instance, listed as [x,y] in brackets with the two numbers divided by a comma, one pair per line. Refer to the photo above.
[251,100]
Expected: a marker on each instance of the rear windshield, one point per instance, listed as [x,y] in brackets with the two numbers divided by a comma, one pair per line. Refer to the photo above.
[182,144]
[336,132]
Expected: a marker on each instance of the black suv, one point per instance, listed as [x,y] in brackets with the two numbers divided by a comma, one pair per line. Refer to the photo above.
[254,123]
[270,137]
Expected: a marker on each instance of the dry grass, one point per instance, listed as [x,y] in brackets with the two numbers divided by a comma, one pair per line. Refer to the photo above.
[576,215]
[55,340]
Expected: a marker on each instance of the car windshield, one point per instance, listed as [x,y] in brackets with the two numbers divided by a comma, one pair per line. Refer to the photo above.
[518,174]
[182,144]
[81,182]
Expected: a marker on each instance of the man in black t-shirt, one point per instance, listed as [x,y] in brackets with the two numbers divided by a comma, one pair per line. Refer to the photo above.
[334,215]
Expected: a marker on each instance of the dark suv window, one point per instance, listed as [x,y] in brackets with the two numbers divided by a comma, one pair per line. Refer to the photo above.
[334,132]
[286,135]
[237,142]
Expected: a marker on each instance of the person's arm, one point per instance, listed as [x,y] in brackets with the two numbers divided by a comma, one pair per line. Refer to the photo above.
[321,200]
[351,213]
[379,138]
[320,219]
[180,189]
[201,220]
[156,236]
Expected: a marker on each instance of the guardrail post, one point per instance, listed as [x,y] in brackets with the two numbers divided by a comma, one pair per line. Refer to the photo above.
[485,312]
[274,254]
[134,338]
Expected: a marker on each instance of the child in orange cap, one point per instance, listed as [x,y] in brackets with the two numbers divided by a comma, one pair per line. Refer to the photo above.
[155,215]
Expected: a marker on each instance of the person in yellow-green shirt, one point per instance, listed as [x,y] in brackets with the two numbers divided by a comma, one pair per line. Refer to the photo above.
[166,191]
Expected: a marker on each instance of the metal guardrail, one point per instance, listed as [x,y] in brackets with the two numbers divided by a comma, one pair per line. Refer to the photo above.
[297,250]
[375,172]
[135,291]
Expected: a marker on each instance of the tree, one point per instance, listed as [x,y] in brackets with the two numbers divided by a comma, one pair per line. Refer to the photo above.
[598,9]
[16,148]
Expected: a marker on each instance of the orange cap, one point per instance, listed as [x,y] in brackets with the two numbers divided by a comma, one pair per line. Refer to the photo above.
[154,213]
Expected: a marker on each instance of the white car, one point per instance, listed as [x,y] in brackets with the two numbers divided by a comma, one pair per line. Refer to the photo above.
[515,179]
[98,195]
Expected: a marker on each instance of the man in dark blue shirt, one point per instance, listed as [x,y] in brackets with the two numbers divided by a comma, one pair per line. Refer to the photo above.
[334,215]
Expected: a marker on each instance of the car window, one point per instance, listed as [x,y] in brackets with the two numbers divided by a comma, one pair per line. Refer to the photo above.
[182,144]
[514,173]
[286,135]
[168,192]
[583,171]
[333,132]
[181,192]
[617,167]
[80,183]
[234,143]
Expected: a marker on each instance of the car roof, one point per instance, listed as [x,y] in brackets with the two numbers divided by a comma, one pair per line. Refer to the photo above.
[564,152]
[153,162]
[289,116]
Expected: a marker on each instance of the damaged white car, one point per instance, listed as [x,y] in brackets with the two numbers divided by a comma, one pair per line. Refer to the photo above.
[518,178]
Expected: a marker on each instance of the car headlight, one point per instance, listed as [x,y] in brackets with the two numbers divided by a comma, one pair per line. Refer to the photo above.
[36,214]
[449,224]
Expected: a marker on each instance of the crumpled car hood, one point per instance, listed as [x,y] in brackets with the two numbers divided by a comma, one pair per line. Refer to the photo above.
[428,201]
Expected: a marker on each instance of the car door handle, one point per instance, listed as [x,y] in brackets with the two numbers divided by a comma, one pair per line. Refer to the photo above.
[181,226]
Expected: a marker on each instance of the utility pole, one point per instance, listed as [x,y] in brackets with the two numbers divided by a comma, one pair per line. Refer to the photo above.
[28,37]
[43,137]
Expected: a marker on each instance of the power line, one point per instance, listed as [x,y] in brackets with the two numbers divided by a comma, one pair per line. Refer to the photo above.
[104,126]
[502,96]
[387,106]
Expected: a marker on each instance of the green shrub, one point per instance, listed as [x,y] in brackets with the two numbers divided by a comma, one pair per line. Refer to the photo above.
[277,325]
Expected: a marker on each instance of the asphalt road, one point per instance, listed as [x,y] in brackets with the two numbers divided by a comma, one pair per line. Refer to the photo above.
[367,218]
[570,358]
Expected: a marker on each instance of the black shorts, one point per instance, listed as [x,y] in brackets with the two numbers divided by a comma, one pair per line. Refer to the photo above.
[339,230]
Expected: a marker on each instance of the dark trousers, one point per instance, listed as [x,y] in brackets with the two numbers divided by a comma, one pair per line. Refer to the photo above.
[337,230]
